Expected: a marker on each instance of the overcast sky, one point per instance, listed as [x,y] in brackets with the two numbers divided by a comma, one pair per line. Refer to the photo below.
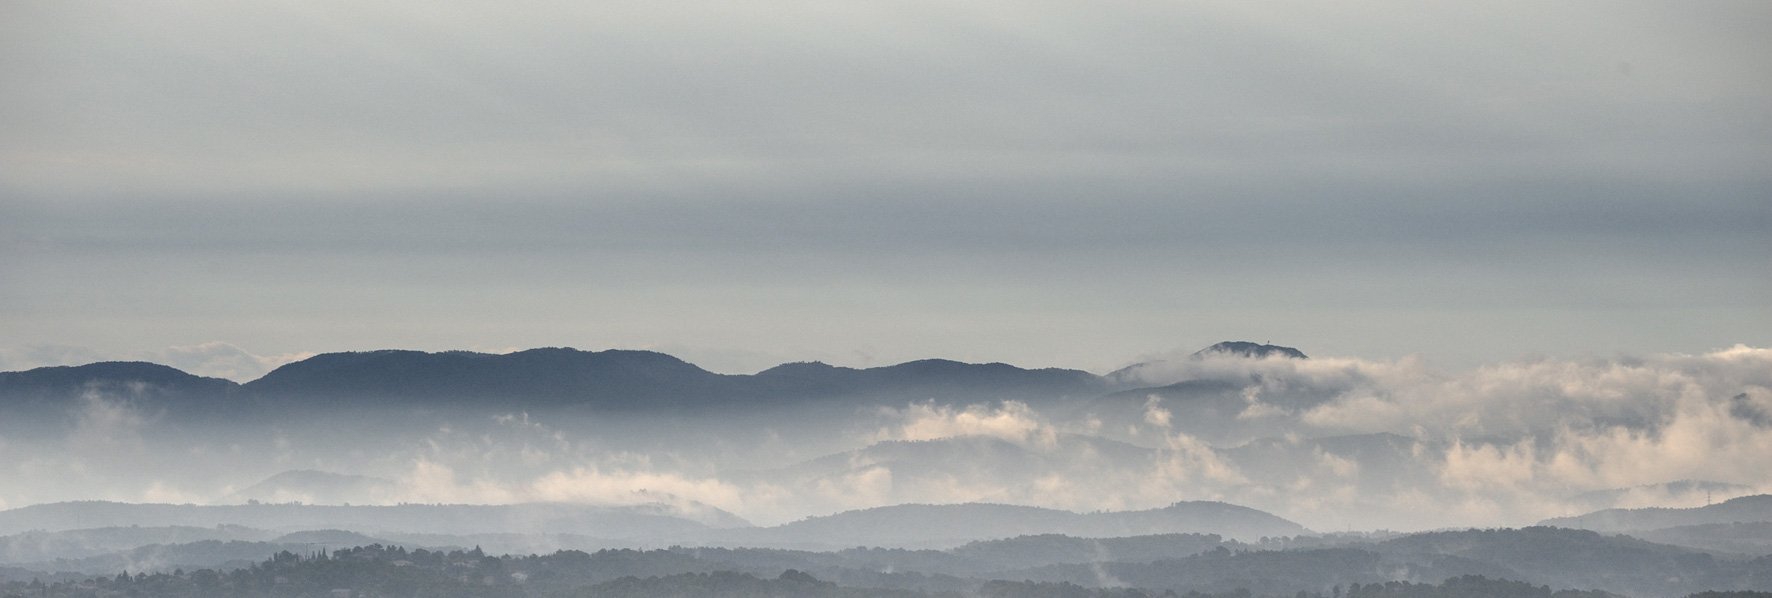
[224,185]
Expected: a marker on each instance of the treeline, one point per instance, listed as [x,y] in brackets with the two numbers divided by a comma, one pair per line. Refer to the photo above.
[1468,586]
[389,571]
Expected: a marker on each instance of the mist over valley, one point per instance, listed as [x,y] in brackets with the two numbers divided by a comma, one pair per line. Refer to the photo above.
[1254,448]
[919,299]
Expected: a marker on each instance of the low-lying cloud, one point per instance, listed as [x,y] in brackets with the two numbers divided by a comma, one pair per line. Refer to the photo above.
[1011,420]
[1345,443]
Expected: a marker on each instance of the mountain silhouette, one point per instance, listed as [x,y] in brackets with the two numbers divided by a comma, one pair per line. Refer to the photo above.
[560,377]
[49,390]
[927,378]
[623,379]
[1253,350]
[1170,371]
[539,376]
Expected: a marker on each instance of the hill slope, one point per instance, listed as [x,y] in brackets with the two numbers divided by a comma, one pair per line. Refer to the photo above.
[153,384]
[1744,509]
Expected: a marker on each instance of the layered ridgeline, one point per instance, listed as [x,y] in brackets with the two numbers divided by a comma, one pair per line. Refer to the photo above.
[1236,422]
[881,550]
[1537,561]
[1741,525]
[667,522]
[643,379]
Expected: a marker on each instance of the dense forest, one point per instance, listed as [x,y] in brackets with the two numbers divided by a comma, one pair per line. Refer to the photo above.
[377,570]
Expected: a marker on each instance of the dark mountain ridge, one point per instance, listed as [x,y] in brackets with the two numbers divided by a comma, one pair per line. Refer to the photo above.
[1251,350]
[56,395]
[121,378]
[558,377]
[551,375]
[612,379]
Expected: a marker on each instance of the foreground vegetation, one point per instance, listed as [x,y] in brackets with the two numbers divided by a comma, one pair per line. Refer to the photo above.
[392,571]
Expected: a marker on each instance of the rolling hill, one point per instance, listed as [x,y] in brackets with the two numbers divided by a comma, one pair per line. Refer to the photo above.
[942,526]
[1744,509]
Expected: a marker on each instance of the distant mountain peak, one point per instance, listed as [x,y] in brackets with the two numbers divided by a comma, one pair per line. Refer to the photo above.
[800,367]
[1249,349]
[1168,370]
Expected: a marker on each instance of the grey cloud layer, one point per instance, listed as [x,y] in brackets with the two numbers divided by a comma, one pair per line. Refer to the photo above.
[187,171]
[319,95]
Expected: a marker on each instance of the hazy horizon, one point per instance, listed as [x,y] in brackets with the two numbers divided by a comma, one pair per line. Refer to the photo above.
[1038,184]
[1524,244]
[224,360]
[1394,444]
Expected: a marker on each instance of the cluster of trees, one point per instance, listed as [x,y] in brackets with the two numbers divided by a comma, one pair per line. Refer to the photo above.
[368,571]
[1467,586]
[377,570]
[729,584]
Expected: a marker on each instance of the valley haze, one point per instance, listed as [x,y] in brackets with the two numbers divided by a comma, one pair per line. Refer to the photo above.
[1333,443]
[1241,445]
[919,299]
